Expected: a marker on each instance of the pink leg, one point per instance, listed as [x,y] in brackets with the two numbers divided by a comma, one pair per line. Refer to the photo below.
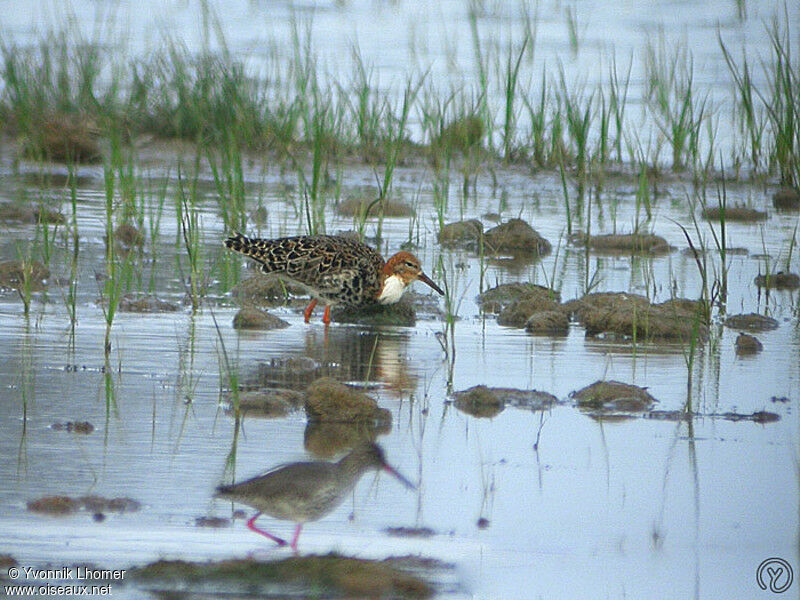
[326,316]
[251,525]
[309,309]
[296,537]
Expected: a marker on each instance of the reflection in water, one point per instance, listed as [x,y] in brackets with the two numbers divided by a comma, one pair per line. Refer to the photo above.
[306,491]
[344,353]
[52,179]
[516,264]
[186,379]
[364,355]
[292,372]
[658,532]
[27,388]
[326,440]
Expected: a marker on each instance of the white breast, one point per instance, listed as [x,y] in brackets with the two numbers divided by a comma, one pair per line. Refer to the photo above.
[393,289]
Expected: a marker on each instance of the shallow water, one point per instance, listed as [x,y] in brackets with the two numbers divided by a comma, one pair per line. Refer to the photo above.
[577,507]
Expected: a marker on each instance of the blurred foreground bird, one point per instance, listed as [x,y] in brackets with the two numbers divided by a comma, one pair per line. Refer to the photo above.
[306,491]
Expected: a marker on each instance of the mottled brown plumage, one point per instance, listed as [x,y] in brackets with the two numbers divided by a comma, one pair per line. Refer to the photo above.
[306,491]
[334,269]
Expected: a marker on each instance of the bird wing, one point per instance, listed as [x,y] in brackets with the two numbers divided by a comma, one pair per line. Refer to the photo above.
[334,281]
[289,476]
[329,266]
[301,491]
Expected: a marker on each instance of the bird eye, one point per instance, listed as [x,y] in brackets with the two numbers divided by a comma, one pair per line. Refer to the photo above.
[410,265]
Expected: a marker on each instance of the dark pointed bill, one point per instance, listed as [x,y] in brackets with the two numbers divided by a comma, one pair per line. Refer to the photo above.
[425,279]
[392,471]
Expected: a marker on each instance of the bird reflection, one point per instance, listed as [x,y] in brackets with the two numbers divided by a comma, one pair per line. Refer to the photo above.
[344,353]
[374,356]
[306,491]
[325,440]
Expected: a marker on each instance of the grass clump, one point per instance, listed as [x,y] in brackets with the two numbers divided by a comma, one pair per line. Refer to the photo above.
[25,272]
[201,98]
[461,135]
[733,213]
[52,95]
[769,118]
[62,96]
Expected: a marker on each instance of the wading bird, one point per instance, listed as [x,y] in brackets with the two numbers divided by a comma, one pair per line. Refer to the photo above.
[334,269]
[306,491]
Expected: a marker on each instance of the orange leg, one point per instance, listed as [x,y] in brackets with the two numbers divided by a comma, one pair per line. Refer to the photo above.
[309,309]
[326,316]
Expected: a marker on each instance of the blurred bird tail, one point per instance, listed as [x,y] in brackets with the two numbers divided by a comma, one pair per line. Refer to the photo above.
[223,490]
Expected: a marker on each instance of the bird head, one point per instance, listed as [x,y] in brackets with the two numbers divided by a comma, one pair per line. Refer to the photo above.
[371,455]
[405,268]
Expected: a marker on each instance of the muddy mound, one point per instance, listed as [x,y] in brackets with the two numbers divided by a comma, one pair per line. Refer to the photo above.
[250,317]
[734,213]
[61,137]
[751,322]
[400,314]
[747,344]
[145,303]
[630,316]
[329,401]
[611,397]
[54,505]
[516,236]
[667,322]
[483,401]
[548,322]
[80,427]
[479,401]
[212,522]
[329,576]
[465,234]
[65,505]
[520,311]
[496,299]
[268,402]
[778,281]
[578,307]
[410,532]
[16,274]
[6,561]
[786,199]
[357,207]
[630,243]
[699,252]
